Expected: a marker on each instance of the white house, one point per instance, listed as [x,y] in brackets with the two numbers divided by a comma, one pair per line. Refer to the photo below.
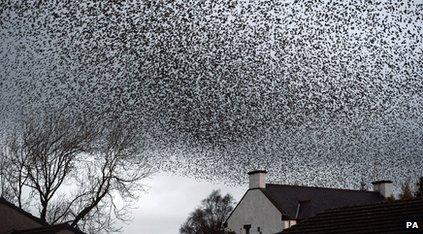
[271,208]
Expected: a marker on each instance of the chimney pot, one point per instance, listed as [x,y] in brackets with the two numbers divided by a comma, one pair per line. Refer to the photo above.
[257,179]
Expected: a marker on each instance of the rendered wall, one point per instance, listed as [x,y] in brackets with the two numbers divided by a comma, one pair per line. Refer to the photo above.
[255,209]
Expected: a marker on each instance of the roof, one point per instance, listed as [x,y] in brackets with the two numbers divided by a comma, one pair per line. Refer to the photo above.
[50,229]
[27,214]
[386,217]
[46,227]
[300,202]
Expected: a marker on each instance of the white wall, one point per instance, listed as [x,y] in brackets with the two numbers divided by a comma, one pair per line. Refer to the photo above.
[257,210]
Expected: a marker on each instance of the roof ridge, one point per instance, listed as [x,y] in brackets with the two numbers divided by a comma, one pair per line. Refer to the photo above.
[327,188]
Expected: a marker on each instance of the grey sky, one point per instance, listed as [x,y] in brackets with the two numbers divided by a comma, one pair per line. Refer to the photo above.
[169,201]
[284,85]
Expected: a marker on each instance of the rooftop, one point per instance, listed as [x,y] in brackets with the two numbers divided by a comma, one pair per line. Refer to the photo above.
[385,217]
[46,228]
[300,202]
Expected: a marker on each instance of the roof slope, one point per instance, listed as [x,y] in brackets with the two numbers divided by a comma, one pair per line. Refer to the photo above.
[50,229]
[300,202]
[387,217]
[46,228]
[23,212]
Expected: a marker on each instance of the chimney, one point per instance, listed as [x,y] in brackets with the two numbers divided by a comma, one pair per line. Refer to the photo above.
[257,179]
[384,187]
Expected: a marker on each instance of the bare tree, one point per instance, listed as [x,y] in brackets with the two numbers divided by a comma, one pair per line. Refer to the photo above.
[419,188]
[52,147]
[406,192]
[115,167]
[210,217]
[82,170]
[14,157]
[363,185]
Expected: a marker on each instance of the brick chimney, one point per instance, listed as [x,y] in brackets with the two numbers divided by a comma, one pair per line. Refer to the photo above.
[384,187]
[257,179]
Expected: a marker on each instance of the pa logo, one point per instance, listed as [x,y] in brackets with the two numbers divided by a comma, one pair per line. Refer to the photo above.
[412,225]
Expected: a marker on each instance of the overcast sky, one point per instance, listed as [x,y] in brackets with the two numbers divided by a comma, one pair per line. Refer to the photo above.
[219,88]
[329,92]
[169,201]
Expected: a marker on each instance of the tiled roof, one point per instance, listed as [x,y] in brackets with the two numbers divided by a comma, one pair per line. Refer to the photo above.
[300,202]
[386,217]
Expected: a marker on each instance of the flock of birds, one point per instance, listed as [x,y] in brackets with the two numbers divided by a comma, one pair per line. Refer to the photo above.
[317,92]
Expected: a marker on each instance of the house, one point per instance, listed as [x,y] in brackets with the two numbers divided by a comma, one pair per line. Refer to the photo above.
[271,208]
[14,220]
[387,217]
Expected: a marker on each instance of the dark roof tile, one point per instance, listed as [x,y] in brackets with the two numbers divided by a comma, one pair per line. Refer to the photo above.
[46,227]
[300,202]
[386,217]
[50,229]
